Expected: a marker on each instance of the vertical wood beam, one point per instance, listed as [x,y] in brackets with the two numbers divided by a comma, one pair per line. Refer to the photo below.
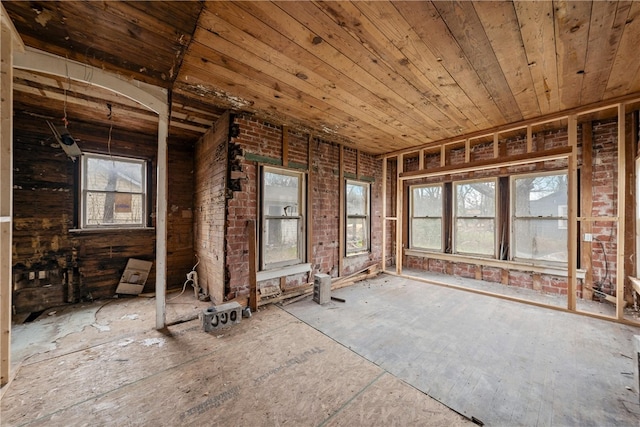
[572,229]
[341,238]
[310,181]
[162,201]
[358,166]
[620,236]
[496,145]
[529,139]
[6,195]
[443,155]
[631,146]
[285,146]
[586,201]
[467,151]
[253,270]
[384,213]
[399,213]
[421,160]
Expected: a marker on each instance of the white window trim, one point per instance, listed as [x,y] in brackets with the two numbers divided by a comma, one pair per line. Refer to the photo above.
[82,214]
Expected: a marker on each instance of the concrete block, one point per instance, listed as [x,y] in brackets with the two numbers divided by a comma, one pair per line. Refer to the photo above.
[322,288]
[220,316]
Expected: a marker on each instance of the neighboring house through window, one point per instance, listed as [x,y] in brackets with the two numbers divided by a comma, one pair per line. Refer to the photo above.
[114,191]
[357,211]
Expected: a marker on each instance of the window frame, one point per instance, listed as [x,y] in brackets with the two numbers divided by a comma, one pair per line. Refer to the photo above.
[413,216]
[84,192]
[301,217]
[560,221]
[367,217]
[456,217]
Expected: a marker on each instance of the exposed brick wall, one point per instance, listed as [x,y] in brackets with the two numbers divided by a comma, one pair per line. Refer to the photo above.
[209,207]
[258,138]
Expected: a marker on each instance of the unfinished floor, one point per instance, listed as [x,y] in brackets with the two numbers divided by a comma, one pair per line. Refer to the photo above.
[369,361]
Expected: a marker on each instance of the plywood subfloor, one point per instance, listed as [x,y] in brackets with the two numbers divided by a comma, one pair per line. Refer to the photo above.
[502,362]
[271,369]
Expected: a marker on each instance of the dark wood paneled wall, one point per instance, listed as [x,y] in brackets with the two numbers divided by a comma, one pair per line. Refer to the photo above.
[88,264]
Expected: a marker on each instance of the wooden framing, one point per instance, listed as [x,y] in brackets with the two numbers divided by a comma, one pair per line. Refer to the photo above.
[285,146]
[253,260]
[586,206]
[399,213]
[620,235]
[572,199]
[310,183]
[9,40]
[341,225]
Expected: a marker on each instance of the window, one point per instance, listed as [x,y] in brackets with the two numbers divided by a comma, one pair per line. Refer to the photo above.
[540,217]
[426,217]
[114,191]
[283,204]
[357,210]
[475,214]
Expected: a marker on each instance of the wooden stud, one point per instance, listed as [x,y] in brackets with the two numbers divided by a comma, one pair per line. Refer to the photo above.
[496,145]
[421,160]
[399,213]
[529,139]
[162,198]
[285,146]
[467,150]
[572,229]
[586,201]
[253,270]
[620,235]
[341,237]
[631,193]
[443,155]
[358,165]
[310,181]
[384,214]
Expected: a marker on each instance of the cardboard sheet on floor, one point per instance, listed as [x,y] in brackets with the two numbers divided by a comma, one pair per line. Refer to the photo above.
[134,277]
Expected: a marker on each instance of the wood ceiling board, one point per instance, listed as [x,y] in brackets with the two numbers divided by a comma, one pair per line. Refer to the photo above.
[427,24]
[625,74]
[276,48]
[380,29]
[352,59]
[571,20]
[500,23]
[538,36]
[605,32]
[463,22]
[345,107]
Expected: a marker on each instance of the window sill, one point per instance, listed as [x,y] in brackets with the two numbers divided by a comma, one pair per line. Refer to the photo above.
[554,270]
[110,229]
[282,272]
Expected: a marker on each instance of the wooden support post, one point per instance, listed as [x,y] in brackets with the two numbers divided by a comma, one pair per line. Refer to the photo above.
[399,213]
[358,166]
[631,147]
[285,146]
[421,160]
[384,213]
[467,151]
[310,181]
[443,155]
[529,139]
[572,229]
[496,145]
[586,201]
[620,235]
[162,201]
[341,237]
[253,261]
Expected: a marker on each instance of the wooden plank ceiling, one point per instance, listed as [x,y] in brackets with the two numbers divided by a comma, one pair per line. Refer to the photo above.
[380,76]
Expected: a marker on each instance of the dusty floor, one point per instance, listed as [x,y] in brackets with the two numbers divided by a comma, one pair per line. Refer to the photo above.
[105,364]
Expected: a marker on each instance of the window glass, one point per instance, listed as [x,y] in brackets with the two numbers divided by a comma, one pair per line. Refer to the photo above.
[540,217]
[475,217]
[426,217]
[113,191]
[357,223]
[282,222]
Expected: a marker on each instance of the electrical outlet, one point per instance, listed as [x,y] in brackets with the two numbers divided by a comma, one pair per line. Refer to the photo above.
[42,274]
[588,237]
